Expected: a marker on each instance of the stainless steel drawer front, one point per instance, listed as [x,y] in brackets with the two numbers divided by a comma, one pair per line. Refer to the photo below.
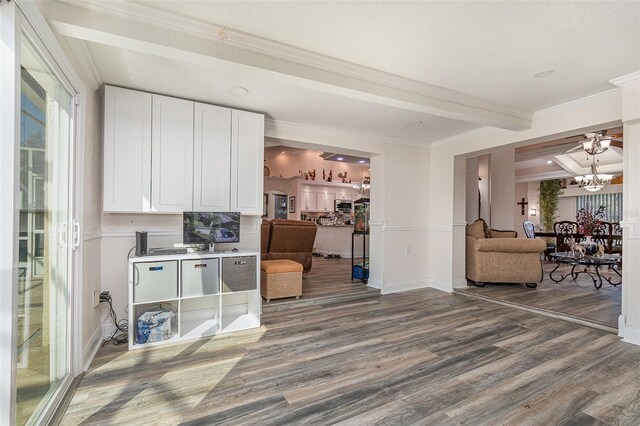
[199,277]
[153,281]
[238,273]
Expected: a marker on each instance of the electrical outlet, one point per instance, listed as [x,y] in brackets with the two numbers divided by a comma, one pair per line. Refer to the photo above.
[407,249]
[96,298]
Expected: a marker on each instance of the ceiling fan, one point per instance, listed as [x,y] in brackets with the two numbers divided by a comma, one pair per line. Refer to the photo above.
[597,142]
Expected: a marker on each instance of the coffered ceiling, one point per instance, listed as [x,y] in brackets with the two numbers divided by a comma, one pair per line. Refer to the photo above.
[565,158]
[401,72]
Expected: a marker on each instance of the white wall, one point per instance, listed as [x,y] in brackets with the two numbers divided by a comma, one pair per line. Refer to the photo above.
[164,230]
[502,171]
[521,191]
[472,202]
[403,218]
[290,163]
[600,111]
[533,196]
[484,185]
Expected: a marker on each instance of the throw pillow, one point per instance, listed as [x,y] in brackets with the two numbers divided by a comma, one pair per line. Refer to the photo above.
[494,233]
[476,229]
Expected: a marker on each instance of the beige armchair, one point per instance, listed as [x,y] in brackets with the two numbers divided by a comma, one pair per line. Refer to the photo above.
[499,257]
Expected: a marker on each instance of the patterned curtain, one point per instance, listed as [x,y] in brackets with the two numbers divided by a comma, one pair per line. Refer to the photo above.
[612,204]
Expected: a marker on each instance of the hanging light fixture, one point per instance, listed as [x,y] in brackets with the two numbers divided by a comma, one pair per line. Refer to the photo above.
[596,142]
[364,185]
[593,181]
[361,187]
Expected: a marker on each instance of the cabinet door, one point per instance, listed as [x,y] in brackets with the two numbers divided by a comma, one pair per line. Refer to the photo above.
[343,195]
[247,154]
[211,158]
[325,201]
[127,150]
[309,201]
[172,155]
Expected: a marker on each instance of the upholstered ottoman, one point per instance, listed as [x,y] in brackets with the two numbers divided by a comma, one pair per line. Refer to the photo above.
[280,278]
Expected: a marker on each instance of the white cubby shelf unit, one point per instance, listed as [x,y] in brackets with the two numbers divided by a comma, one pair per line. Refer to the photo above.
[208,294]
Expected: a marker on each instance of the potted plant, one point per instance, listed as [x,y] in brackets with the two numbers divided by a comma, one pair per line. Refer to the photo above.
[589,220]
[550,190]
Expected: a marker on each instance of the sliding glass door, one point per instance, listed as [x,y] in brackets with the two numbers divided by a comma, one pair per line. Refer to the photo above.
[44,235]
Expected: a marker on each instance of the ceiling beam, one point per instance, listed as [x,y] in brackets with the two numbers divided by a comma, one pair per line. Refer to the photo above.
[145,29]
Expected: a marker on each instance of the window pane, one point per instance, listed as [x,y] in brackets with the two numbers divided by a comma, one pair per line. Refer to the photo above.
[42,353]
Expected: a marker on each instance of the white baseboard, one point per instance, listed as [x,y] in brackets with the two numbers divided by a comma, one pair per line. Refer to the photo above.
[621,325]
[92,347]
[460,283]
[442,286]
[374,283]
[404,286]
[108,328]
[628,334]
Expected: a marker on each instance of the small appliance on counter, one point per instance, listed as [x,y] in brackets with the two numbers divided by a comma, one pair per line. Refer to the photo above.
[344,206]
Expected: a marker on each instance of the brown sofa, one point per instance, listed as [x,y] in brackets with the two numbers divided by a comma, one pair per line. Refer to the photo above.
[288,239]
[499,257]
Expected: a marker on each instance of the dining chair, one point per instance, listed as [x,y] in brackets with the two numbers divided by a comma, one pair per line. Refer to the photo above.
[566,233]
[530,232]
[601,235]
[616,243]
[529,229]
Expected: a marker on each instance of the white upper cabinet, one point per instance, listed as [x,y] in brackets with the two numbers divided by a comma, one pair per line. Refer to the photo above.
[309,199]
[169,155]
[247,154]
[325,200]
[344,195]
[127,150]
[211,158]
[172,155]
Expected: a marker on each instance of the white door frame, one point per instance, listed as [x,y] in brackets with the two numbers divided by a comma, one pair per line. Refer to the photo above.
[17,17]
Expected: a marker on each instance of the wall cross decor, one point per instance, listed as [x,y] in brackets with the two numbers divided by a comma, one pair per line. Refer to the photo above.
[522,204]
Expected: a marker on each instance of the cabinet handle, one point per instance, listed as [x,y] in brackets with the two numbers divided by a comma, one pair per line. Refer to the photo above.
[135,276]
[76,234]
[62,234]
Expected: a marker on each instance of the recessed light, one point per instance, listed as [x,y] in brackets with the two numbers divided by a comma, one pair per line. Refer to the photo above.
[543,74]
[361,161]
[549,162]
[239,91]
[414,123]
[339,158]
[283,152]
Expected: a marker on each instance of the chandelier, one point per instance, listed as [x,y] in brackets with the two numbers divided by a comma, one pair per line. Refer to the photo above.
[596,142]
[361,187]
[593,181]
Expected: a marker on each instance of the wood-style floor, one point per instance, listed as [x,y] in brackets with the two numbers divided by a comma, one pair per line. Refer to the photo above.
[423,357]
[573,299]
[329,281]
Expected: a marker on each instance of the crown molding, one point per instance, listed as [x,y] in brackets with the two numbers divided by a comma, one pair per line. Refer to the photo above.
[423,96]
[626,80]
[87,64]
[577,103]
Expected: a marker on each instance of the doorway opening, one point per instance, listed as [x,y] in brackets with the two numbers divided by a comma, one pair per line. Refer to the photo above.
[574,288]
[329,194]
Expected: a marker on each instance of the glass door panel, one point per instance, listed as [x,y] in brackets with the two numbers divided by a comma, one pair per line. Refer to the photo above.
[43,237]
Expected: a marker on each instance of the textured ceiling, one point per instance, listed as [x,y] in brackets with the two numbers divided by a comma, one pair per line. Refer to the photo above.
[486,49]
[459,65]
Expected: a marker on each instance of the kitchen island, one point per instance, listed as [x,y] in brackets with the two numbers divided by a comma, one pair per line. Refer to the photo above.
[336,239]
